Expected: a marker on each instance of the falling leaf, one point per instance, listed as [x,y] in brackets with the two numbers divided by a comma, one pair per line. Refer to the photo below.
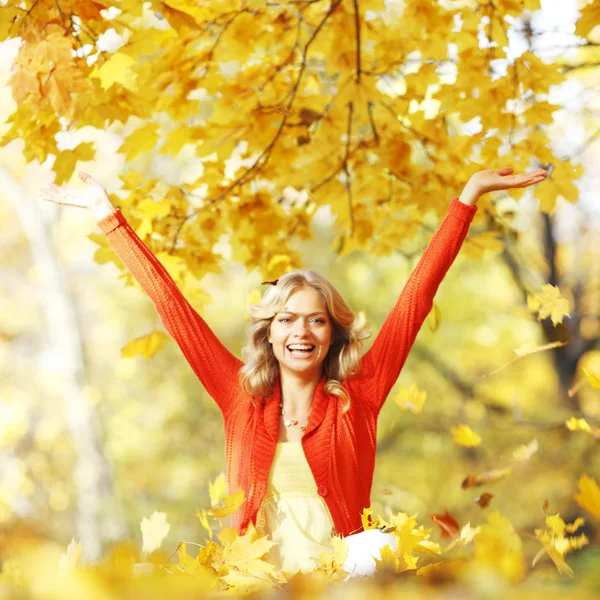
[434,318]
[465,436]
[66,161]
[217,490]
[575,424]
[154,531]
[230,504]
[556,544]
[549,303]
[69,560]
[411,399]
[589,495]
[484,499]
[447,523]
[147,345]
[467,534]
[484,478]
[526,451]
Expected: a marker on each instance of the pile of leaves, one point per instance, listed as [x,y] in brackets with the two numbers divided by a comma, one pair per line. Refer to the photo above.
[486,558]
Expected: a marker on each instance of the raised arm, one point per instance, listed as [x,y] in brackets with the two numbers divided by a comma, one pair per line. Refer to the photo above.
[386,357]
[214,365]
[383,362]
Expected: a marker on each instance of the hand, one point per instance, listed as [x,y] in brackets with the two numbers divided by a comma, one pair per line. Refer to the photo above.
[492,180]
[92,197]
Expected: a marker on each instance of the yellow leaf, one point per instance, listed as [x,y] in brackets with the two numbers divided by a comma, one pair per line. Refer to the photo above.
[203,518]
[69,560]
[589,19]
[549,303]
[467,534]
[574,424]
[66,161]
[141,140]
[592,378]
[147,345]
[465,436]
[364,518]
[154,531]
[231,503]
[434,318]
[589,495]
[117,69]
[243,558]
[186,562]
[217,490]
[525,452]
[411,399]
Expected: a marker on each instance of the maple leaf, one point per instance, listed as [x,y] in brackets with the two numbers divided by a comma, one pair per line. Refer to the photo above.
[588,496]
[70,559]
[556,544]
[411,399]
[464,436]
[217,489]
[243,559]
[467,534]
[66,161]
[154,531]
[549,303]
[231,503]
[447,523]
[146,345]
[589,20]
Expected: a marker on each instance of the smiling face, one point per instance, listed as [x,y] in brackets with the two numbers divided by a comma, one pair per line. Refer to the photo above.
[301,333]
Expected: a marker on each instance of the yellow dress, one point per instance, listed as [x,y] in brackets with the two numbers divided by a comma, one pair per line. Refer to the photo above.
[292,512]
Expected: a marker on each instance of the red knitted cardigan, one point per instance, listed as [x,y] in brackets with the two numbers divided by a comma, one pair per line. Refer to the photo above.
[340,448]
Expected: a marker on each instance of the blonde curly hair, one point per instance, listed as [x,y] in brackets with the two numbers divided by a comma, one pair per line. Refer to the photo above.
[257,376]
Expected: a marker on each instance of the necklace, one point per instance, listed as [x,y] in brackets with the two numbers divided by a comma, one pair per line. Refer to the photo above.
[291,422]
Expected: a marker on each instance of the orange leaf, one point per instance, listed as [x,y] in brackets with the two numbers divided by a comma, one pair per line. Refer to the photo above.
[447,523]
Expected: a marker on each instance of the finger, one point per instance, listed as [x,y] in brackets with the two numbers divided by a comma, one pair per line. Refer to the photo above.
[84,176]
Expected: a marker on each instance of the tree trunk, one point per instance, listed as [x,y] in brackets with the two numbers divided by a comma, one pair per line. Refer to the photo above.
[93,477]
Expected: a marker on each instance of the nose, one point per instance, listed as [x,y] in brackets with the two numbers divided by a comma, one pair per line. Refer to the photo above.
[300,328]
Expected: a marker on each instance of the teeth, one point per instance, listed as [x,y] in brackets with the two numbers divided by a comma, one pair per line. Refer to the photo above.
[300,347]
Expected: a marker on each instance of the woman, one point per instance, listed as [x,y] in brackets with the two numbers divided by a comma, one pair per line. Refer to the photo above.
[301,413]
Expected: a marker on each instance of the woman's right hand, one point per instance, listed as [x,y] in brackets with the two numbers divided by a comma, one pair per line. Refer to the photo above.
[92,197]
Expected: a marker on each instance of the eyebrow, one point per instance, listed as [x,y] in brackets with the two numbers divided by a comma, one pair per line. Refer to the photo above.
[289,312]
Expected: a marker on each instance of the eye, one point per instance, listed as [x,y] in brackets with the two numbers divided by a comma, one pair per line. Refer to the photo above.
[283,319]
[320,320]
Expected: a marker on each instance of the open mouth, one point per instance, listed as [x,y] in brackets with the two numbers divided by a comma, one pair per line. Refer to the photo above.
[300,350]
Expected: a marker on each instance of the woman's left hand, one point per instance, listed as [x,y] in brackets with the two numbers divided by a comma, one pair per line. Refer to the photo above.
[491,180]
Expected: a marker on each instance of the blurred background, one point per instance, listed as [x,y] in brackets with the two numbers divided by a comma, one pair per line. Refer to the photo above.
[92,442]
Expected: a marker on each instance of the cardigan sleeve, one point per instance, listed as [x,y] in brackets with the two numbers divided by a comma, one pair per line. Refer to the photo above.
[382,364]
[213,364]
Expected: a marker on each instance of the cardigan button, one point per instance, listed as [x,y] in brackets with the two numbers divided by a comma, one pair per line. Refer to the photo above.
[322,490]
